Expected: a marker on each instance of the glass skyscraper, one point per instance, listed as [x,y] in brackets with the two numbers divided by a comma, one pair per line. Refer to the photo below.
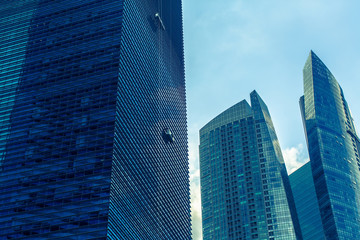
[333,149]
[93,120]
[245,189]
[307,207]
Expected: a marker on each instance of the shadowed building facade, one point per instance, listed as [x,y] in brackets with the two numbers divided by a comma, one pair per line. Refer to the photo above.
[244,185]
[333,149]
[93,120]
[307,208]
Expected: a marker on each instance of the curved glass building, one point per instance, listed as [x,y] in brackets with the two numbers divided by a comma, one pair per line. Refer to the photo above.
[245,189]
[93,120]
[333,149]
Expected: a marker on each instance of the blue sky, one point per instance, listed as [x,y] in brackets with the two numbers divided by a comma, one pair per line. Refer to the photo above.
[235,46]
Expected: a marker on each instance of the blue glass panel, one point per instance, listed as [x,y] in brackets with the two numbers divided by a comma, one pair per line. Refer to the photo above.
[87,88]
[333,149]
[243,176]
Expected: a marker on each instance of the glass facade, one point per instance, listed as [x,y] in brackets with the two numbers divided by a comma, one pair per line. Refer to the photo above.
[333,149]
[307,207]
[87,89]
[243,176]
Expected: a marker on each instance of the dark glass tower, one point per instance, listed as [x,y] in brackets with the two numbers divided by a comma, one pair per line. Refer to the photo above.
[302,185]
[333,149]
[93,120]
[244,184]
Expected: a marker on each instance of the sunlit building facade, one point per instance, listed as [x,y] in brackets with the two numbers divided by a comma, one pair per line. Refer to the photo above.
[245,189]
[333,149]
[93,120]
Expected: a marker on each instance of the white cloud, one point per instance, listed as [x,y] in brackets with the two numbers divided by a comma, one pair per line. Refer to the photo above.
[196,219]
[196,205]
[295,157]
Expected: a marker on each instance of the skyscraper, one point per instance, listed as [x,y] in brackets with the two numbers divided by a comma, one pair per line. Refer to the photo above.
[243,176]
[333,149]
[307,207]
[93,120]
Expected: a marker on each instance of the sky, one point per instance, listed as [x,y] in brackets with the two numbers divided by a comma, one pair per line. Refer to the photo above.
[235,46]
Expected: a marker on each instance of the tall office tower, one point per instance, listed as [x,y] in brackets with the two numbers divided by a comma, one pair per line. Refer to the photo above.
[93,120]
[243,176]
[307,207]
[333,149]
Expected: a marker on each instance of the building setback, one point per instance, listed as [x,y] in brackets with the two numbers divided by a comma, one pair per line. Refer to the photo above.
[333,149]
[93,120]
[244,184]
[307,207]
